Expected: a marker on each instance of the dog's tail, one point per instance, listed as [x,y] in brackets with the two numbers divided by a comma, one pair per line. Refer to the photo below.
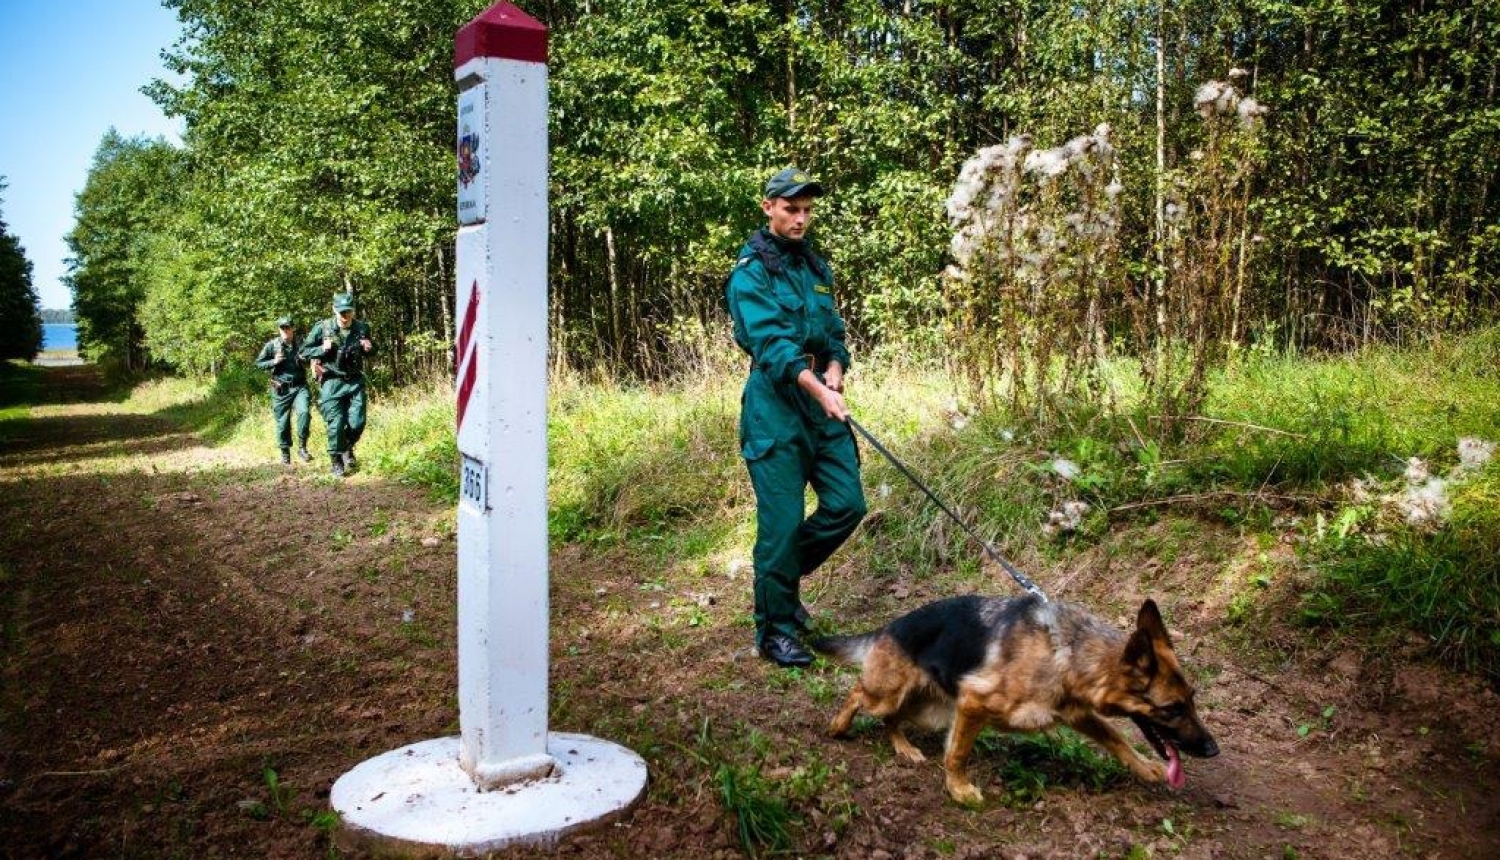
[849,649]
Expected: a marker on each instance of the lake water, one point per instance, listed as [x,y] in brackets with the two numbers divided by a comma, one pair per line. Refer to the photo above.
[59,336]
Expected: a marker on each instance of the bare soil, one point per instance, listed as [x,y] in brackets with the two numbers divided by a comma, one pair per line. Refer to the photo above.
[180,623]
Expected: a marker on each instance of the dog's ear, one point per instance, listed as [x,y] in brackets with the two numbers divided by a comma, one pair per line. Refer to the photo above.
[1140,654]
[1140,651]
[1149,620]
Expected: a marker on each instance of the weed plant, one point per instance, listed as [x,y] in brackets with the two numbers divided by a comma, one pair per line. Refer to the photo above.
[1443,583]
[764,818]
[410,436]
[1029,764]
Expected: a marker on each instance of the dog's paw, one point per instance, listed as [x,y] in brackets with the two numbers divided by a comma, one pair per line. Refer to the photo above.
[966,794]
[911,754]
[1149,771]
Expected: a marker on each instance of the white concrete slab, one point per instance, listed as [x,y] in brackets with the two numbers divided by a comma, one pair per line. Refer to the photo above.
[417,801]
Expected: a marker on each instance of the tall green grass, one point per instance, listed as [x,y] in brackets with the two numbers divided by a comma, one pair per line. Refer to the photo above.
[1307,421]
[1443,583]
[410,437]
[656,467]
[19,384]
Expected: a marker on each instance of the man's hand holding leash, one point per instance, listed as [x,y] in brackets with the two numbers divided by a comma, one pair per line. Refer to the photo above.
[828,397]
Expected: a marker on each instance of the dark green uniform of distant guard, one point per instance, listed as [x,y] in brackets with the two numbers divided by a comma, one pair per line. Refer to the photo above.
[289,395]
[781,298]
[341,378]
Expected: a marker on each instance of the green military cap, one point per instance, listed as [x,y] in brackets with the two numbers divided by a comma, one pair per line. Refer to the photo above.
[343,302]
[284,322]
[793,182]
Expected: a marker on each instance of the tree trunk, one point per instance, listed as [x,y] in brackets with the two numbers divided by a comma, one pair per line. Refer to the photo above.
[1161,191]
[446,309]
[791,69]
[616,312]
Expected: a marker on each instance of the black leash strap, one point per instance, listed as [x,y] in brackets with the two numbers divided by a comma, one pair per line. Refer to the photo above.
[1020,578]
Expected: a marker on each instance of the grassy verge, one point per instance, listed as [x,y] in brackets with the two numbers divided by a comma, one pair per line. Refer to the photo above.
[1311,450]
[19,384]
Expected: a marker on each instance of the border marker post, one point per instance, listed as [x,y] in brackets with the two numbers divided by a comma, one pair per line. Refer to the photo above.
[505,780]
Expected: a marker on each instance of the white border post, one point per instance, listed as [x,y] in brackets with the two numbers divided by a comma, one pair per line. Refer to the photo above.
[441,793]
[502,416]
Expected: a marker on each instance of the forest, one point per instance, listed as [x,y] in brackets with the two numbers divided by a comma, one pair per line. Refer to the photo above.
[1185,180]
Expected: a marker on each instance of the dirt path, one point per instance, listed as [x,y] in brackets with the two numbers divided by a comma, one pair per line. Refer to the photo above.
[196,646]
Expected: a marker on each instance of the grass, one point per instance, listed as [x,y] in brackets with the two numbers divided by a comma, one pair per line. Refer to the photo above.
[770,800]
[655,469]
[1030,764]
[1443,583]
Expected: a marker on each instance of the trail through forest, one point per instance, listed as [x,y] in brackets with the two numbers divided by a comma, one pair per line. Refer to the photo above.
[196,645]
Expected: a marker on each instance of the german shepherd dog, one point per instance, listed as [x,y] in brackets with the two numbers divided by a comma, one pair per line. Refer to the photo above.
[1024,665]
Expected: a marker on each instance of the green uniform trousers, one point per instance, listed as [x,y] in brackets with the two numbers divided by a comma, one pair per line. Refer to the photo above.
[342,402]
[291,402]
[789,444]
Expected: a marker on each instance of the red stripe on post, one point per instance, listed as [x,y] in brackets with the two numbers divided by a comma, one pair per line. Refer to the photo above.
[468,357]
[502,32]
[471,315]
[466,388]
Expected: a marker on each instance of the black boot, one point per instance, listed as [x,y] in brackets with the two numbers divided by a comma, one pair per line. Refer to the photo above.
[286,456]
[349,462]
[302,453]
[338,465]
[785,651]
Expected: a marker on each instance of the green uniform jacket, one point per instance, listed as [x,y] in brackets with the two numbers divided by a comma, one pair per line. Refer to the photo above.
[288,371]
[780,296]
[335,364]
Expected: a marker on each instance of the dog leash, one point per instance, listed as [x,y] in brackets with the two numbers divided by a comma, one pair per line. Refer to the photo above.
[1020,578]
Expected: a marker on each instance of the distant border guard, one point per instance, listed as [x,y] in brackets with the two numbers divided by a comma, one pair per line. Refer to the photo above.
[337,348]
[289,396]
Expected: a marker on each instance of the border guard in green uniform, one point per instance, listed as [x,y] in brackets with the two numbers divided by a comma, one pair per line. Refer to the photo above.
[289,397]
[337,348]
[792,412]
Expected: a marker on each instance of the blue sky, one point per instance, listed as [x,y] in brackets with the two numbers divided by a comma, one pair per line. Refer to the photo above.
[69,70]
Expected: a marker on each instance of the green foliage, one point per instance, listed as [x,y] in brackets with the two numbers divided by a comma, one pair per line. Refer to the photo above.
[1302,422]
[319,154]
[279,792]
[1031,763]
[763,817]
[639,460]
[131,193]
[1386,137]
[770,799]
[411,437]
[321,143]
[1444,584]
[19,384]
[21,332]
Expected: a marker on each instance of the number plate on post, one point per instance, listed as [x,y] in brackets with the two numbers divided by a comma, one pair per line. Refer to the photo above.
[472,481]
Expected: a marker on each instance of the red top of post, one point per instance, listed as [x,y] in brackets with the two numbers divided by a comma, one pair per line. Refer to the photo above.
[503,32]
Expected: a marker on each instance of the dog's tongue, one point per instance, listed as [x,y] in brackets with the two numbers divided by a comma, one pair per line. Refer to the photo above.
[1175,777]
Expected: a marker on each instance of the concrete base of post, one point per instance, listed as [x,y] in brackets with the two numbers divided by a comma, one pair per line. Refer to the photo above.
[418,802]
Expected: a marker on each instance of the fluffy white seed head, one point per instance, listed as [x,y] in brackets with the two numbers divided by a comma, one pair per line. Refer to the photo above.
[1251,111]
[1048,162]
[1215,98]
